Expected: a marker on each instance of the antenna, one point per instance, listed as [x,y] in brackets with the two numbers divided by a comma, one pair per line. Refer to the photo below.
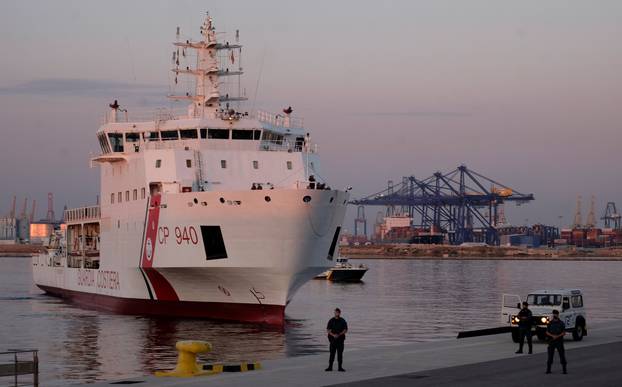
[263,56]
[206,97]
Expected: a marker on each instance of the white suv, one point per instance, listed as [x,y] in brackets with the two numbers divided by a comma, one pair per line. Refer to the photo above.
[569,303]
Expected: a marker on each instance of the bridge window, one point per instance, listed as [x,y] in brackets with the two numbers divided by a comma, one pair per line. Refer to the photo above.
[203,132]
[189,163]
[219,134]
[127,196]
[116,141]
[238,134]
[168,135]
[255,164]
[142,193]
[289,165]
[148,136]
[132,137]
[272,137]
[103,143]
[135,194]
[223,164]
[256,134]
[188,134]
[158,163]
[112,198]
[119,197]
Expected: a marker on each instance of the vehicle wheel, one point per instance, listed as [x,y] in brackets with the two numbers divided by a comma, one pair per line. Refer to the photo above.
[515,335]
[577,334]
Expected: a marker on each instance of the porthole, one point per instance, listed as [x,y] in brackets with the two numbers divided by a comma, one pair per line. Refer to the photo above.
[204,204]
[344,202]
[196,201]
[306,199]
[267,198]
[331,200]
[222,200]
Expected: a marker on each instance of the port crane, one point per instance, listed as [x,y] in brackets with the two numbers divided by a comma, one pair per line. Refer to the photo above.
[462,203]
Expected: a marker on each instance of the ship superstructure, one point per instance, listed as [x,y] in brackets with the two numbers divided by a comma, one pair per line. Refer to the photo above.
[215,212]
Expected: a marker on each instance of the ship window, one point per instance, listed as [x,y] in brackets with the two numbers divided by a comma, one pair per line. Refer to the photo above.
[238,134]
[223,164]
[142,193]
[127,196]
[272,137]
[112,198]
[221,134]
[256,134]
[189,163]
[213,242]
[169,135]
[103,143]
[188,133]
[158,163]
[116,141]
[132,137]
[120,197]
[148,136]
[255,164]
[289,165]
[135,194]
[203,132]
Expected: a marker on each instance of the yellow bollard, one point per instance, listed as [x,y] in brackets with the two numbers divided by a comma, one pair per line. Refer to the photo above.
[187,365]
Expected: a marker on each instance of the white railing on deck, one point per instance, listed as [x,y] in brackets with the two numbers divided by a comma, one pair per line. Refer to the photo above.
[137,115]
[286,146]
[279,120]
[82,214]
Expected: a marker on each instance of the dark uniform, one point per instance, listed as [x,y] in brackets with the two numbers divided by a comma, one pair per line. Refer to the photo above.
[556,327]
[524,329]
[336,326]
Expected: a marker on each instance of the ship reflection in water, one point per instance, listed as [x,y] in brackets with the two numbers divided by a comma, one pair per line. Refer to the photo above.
[413,300]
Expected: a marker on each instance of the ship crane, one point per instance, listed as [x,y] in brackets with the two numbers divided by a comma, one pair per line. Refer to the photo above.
[457,202]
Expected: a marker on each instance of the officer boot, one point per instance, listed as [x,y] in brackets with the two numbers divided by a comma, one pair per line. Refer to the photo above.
[564,369]
[548,368]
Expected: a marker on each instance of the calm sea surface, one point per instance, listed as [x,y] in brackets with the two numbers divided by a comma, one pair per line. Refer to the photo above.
[400,300]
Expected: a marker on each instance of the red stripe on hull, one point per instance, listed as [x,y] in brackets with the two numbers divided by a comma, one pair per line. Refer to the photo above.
[250,313]
[163,289]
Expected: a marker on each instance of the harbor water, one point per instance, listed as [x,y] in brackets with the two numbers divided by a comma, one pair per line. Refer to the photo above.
[399,301]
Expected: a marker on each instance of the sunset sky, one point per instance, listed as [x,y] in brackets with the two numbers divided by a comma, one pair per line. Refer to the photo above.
[526,92]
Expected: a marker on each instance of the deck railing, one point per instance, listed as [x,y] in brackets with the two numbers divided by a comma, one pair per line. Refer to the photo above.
[278,120]
[12,366]
[82,214]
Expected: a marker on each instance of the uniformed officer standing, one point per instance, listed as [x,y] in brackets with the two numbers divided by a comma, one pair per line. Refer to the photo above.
[336,329]
[556,331]
[524,327]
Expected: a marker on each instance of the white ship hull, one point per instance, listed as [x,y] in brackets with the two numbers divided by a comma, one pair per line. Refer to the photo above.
[158,264]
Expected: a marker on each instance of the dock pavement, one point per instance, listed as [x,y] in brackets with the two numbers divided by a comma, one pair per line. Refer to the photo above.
[476,361]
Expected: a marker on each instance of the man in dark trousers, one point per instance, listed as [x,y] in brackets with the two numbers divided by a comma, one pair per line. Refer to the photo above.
[555,332]
[336,329]
[525,320]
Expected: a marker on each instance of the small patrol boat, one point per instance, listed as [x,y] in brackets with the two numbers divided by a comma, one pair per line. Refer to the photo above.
[343,271]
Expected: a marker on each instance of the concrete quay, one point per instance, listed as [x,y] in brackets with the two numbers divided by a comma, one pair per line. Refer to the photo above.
[477,361]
